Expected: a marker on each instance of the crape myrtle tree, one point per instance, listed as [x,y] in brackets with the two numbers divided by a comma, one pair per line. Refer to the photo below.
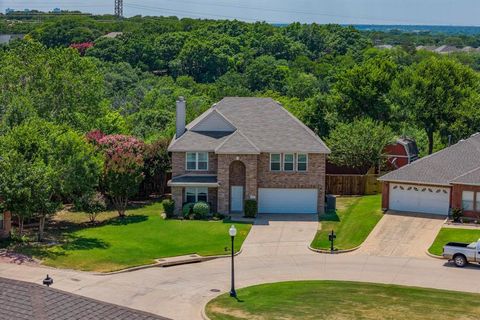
[43,164]
[123,166]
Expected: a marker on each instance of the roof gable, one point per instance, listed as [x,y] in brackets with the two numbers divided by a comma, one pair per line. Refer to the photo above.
[237,143]
[213,121]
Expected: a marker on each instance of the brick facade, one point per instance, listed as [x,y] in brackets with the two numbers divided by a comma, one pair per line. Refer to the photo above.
[6,227]
[253,172]
[179,164]
[456,201]
[313,178]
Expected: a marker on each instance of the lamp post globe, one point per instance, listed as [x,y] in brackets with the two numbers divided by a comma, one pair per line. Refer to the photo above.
[233,232]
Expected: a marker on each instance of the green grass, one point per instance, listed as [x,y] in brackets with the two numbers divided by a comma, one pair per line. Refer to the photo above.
[453,235]
[137,240]
[353,221]
[310,300]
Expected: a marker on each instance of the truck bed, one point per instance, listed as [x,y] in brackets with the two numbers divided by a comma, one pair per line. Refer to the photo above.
[457,244]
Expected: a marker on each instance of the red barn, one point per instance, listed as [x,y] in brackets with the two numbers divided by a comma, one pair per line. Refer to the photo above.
[404,151]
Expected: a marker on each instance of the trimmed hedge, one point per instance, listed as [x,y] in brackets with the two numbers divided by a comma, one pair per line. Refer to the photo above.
[187,209]
[251,208]
[168,207]
[201,210]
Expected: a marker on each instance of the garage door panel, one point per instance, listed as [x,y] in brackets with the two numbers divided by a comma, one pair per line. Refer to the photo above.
[419,198]
[279,200]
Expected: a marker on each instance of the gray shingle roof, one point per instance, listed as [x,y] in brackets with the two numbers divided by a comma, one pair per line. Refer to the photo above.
[237,143]
[471,177]
[23,300]
[199,141]
[442,167]
[262,124]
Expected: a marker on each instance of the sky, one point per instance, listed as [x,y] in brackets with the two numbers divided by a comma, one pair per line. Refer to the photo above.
[412,12]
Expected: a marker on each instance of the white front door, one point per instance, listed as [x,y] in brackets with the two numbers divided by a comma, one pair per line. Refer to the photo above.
[419,198]
[236,203]
[275,200]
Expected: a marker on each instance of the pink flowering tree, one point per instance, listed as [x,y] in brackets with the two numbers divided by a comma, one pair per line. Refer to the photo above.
[123,168]
[81,47]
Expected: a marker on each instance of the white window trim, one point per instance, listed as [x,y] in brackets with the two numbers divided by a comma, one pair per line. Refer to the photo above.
[306,162]
[196,161]
[293,162]
[472,200]
[196,193]
[270,163]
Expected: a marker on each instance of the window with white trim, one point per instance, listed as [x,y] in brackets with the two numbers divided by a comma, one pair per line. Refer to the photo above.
[197,161]
[275,162]
[467,200]
[195,194]
[288,162]
[302,162]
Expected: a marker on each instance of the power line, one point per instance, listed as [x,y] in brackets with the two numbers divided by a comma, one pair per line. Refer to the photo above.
[198,14]
[309,13]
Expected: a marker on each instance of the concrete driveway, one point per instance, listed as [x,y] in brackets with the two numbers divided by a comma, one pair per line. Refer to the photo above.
[280,234]
[402,235]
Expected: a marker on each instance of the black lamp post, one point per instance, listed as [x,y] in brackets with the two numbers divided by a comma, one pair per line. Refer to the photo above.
[331,238]
[233,233]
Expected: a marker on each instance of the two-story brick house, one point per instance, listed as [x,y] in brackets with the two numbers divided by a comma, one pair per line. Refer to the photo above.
[247,148]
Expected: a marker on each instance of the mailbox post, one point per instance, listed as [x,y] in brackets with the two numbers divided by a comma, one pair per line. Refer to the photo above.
[331,238]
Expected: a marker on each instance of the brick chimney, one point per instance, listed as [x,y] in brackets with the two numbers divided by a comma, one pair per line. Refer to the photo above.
[180,117]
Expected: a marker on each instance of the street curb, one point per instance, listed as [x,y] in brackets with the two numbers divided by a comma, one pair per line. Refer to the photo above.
[334,252]
[431,255]
[165,264]
[203,313]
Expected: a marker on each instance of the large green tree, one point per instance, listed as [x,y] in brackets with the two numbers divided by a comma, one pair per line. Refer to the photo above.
[439,95]
[43,164]
[358,144]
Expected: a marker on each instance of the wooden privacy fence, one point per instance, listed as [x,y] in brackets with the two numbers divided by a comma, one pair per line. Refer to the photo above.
[346,184]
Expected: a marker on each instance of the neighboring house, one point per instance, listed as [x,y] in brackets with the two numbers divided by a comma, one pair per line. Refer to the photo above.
[404,151]
[112,34]
[247,148]
[7,38]
[5,224]
[449,178]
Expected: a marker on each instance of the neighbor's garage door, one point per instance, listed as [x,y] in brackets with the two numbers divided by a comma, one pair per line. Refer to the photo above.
[271,200]
[418,198]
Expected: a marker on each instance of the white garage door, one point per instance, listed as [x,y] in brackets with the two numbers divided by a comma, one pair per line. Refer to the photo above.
[271,200]
[418,198]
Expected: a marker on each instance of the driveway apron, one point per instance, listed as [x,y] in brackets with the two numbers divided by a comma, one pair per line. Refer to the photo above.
[402,235]
[280,234]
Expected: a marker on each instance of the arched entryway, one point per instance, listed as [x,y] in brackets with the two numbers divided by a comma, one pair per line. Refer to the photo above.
[237,178]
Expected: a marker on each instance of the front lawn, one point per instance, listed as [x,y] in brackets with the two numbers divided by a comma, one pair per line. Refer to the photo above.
[343,300]
[447,235]
[137,240]
[353,221]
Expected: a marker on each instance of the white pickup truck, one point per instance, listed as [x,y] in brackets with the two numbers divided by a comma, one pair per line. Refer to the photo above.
[462,253]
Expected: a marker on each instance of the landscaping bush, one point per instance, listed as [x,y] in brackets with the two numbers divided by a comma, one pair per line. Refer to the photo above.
[168,207]
[457,214]
[201,210]
[251,208]
[187,209]
[92,203]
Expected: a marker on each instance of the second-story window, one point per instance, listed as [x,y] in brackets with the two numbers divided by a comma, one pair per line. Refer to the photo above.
[275,161]
[288,162]
[197,161]
[302,160]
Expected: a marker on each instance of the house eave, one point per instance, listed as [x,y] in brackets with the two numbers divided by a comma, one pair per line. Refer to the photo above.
[416,182]
[192,184]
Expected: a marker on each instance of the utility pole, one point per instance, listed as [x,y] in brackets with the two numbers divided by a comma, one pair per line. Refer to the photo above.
[119,8]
